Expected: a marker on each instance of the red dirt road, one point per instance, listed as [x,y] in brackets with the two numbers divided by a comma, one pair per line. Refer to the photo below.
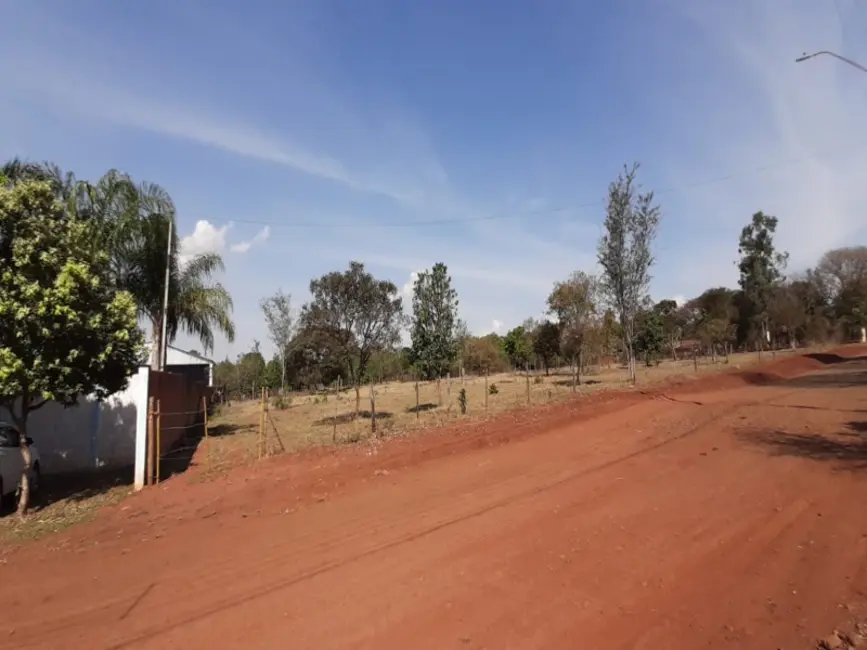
[725,513]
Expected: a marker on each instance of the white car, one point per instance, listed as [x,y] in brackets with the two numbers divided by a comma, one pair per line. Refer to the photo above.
[11,462]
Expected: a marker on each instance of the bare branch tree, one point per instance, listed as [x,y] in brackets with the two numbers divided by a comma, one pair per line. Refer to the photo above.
[624,253]
[281,327]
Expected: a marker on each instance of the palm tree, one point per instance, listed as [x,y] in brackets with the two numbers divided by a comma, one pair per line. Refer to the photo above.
[131,221]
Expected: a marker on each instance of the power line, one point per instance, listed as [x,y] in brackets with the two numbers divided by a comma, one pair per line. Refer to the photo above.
[516,215]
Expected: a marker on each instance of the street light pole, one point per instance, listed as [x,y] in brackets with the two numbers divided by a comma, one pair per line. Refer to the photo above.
[835,55]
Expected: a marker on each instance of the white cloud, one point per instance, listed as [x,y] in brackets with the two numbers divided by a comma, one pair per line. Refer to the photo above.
[260,237]
[205,238]
[496,326]
[408,288]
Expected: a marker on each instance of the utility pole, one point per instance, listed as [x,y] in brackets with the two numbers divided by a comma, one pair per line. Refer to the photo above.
[854,64]
[165,347]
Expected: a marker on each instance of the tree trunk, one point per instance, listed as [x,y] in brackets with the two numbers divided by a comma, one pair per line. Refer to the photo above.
[27,457]
[357,399]
[156,345]
[283,373]
[578,366]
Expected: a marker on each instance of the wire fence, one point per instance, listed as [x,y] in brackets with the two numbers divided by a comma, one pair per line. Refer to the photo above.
[250,430]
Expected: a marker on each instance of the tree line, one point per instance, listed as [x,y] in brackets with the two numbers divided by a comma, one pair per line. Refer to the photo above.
[84,266]
[348,332]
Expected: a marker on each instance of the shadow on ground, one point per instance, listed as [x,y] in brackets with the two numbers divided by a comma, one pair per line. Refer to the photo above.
[346,418]
[421,408]
[848,448]
[73,488]
[568,382]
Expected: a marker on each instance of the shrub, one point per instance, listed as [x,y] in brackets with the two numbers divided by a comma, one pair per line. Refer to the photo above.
[282,402]
[538,380]
[493,390]
[462,400]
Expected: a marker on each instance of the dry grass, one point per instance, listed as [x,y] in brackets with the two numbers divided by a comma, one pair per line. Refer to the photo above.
[313,420]
[64,501]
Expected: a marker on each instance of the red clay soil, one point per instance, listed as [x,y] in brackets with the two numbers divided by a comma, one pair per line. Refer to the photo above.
[727,512]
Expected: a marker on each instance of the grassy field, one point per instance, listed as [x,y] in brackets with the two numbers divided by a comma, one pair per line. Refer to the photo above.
[313,420]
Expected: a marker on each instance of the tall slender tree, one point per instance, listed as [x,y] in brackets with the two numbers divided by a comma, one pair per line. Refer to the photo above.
[434,322]
[761,270]
[281,327]
[625,255]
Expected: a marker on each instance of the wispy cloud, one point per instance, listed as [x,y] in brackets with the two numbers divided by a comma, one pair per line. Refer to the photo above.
[258,238]
[767,109]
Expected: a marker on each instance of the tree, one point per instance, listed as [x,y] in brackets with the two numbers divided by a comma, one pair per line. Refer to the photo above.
[281,327]
[649,334]
[485,354]
[631,221]
[353,315]
[64,329]
[274,374]
[574,302]
[671,319]
[841,275]
[251,370]
[760,269]
[518,346]
[546,343]
[131,222]
[434,317]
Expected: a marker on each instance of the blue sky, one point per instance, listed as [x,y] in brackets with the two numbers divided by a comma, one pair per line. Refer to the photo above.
[295,136]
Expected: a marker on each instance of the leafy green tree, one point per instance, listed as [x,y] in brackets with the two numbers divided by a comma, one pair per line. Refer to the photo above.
[625,255]
[546,343]
[273,376]
[518,347]
[575,302]
[672,324]
[251,371]
[761,268]
[64,329]
[649,335]
[131,222]
[352,315]
[434,319]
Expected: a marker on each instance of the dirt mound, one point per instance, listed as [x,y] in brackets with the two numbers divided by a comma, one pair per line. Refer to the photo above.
[769,372]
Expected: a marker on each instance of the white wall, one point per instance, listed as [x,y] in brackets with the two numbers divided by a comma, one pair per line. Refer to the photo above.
[176,357]
[91,434]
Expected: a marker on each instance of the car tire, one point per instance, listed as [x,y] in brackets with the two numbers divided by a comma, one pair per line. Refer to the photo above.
[35,478]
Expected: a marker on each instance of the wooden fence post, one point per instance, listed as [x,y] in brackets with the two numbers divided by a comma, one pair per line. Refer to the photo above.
[486,390]
[372,409]
[417,407]
[527,375]
[207,439]
[159,447]
[151,432]
[449,392]
[334,419]
[261,443]
[694,359]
